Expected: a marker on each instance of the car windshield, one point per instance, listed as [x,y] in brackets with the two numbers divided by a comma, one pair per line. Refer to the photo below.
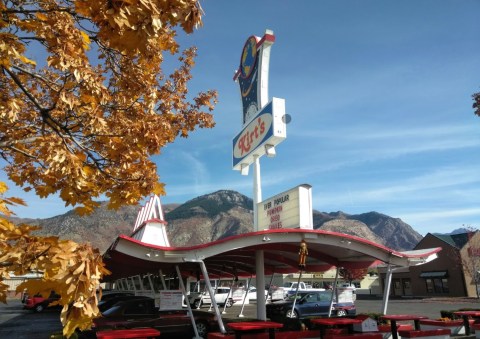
[111,310]
[299,296]
[320,296]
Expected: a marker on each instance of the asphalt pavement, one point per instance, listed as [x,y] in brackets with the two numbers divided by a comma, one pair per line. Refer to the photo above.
[16,323]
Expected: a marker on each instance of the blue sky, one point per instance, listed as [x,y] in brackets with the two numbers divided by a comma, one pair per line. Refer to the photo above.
[380,98]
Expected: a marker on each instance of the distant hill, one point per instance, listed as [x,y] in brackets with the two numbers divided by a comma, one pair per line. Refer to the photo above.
[460,230]
[215,216]
[388,231]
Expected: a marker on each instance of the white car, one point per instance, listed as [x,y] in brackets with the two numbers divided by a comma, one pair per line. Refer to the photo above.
[252,293]
[347,285]
[222,297]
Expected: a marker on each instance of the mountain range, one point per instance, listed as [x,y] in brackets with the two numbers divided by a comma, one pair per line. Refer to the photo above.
[215,216]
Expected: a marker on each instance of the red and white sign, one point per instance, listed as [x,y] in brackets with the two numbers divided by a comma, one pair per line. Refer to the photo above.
[266,128]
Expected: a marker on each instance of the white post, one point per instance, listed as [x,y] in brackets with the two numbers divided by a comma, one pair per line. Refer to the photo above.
[259,258]
[245,297]
[184,292]
[162,279]
[296,294]
[230,292]
[140,279]
[259,267]
[257,191]
[133,285]
[208,286]
[269,287]
[386,292]
[334,291]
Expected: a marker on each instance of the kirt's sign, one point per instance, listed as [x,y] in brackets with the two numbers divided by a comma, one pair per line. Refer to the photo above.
[265,131]
[290,209]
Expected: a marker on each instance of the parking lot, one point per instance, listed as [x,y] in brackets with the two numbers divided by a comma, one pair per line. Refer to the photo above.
[16,323]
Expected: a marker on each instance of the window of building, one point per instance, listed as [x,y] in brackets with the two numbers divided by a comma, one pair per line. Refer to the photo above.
[437,285]
[445,286]
[429,283]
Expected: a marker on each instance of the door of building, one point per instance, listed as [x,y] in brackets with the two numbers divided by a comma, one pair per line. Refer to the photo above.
[407,287]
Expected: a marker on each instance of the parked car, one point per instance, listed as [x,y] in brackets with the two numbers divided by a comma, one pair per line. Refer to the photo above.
[252,294]
[347,285]
[114,293]
[222,297]
[315,303]
[104,305]
[38,303]
[136,313]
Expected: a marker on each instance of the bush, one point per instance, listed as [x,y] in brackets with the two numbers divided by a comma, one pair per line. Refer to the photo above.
[449,314]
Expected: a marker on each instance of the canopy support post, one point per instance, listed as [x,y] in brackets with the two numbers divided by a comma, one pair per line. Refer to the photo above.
[296,293]
[260,263]
[162,279]
[245,297]
[269,287]
[334,291]
[230,293]
[185,296]
[212,296]
[386,291]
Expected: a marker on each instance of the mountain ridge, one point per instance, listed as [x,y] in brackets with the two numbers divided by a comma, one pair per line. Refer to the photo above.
[216,216]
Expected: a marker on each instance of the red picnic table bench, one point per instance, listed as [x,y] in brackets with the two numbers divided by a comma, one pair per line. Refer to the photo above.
[393,318]
[248,326]
[324,322]
[466,315]
[134,333]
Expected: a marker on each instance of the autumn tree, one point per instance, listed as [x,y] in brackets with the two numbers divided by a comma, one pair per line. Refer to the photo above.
[73,270]
[84,104]
[470,258]
[83,99]
[352,274]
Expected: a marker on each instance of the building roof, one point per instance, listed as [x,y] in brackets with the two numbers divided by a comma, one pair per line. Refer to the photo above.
[236,255]
[455,240]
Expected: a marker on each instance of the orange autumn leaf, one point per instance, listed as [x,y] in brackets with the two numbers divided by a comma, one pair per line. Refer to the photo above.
[84,105]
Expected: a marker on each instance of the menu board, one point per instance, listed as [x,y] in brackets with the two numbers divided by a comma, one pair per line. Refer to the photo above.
[171,300]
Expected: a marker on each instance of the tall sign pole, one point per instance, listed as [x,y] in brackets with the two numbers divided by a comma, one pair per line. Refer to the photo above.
[263,127]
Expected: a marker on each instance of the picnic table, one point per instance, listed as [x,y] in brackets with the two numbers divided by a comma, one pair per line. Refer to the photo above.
[133,333]
[324,322]
[466,315]
[393,318]
[244,327]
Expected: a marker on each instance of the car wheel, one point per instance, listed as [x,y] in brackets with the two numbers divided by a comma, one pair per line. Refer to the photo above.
[341,313]
[229,303]
[39,308]
[197,303]
[291,314]
[202,329]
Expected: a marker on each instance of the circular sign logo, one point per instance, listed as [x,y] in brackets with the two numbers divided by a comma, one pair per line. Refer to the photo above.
[249,57]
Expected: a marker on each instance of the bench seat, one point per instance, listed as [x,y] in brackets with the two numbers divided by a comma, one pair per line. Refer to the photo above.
[278,335]
[426,334]
[400,327]
[368,335]
[134,333]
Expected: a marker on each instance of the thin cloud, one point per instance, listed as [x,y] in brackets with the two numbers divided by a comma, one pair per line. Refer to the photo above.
[420,188]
